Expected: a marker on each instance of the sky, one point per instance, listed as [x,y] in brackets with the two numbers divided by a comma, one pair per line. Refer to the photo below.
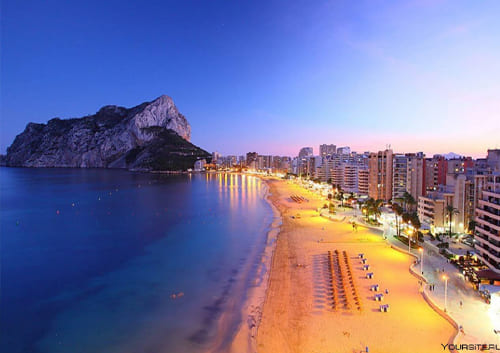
[266,76]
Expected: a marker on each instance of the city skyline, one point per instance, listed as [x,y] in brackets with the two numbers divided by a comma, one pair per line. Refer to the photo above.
[250,176]
[364,75]
[316,152]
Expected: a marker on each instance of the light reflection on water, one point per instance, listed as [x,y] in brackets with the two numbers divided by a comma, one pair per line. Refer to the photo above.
[98,276]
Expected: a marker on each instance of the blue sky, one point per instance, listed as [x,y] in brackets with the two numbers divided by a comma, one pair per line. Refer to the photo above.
[269,76]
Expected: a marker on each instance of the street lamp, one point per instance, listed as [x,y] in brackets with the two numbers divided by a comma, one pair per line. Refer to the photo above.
[445,290]
[410,232]
[421,250]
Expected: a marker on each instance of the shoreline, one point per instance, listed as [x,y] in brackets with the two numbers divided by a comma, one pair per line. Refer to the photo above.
[243,337]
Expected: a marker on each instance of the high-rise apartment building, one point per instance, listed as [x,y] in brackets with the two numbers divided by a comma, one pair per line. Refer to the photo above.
[343,171]
[415,174]
[215,156]
[380,177]
[305,152]
[432,211]
[351,178]
[344,150]
[460,165]
[251,160]
[327,150]
[399,176]
[337,176]
[488,222]
[493,160]
[435,172]
[363,177]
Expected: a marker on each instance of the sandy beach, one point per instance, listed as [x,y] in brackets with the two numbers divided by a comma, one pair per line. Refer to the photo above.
[300,311]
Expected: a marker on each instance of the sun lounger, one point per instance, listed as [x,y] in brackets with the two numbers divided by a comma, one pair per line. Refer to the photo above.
[384,308]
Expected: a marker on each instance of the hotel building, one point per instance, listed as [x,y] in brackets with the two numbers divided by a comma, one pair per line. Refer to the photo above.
[363,176]
[380,175]
[327,150]
[432,211]
[487,232]
[435,172]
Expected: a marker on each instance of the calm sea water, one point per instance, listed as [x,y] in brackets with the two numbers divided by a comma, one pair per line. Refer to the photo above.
[90,258]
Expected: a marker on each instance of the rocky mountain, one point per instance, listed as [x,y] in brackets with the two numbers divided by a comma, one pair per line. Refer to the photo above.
[150,136]
[451,155]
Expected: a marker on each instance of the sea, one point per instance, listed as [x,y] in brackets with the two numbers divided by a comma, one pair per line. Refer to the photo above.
[115,261]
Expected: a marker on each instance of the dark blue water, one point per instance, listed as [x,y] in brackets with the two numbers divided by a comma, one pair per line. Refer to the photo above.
[91,258]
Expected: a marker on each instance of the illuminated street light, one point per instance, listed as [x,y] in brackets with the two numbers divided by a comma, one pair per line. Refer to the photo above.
[421,250]
[445,290]
[410,232]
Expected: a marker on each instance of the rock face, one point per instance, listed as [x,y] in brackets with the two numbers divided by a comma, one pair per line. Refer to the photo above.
[150,136]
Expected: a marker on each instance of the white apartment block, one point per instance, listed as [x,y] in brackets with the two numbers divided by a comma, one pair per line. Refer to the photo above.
[488,222]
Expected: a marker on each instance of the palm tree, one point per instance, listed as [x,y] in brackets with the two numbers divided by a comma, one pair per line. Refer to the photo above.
[398,210]
[450,211]
[408,201]
[373,207]
[340,196]
[367,207]
[398,200]
[415,222]
[376,209]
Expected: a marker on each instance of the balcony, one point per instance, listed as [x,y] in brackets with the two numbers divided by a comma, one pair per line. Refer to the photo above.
[487,233]
[491,210]
[486,212]
[490,221]
[488,226]
[486,261]
[489,252]
[494,190]
[480,241]
[487,244]
[489,203]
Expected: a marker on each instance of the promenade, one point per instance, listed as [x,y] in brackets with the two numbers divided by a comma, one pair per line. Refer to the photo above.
[473,314]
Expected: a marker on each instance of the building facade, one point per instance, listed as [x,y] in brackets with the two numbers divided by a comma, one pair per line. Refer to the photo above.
[435,172]
[487,230]
[432,212]
[380,175]
[327,150]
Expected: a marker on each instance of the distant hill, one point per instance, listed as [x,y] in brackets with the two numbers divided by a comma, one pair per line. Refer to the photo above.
[150,136]
[451,155]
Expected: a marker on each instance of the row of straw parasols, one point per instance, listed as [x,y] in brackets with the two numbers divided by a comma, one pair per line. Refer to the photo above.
[298,199]
[342,284]
[357,301]
[332,282]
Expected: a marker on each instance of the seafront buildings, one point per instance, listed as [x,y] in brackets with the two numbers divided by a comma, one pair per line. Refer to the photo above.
[384,175]
[488,221]
[458,194]
[380,168]
[434,183]
[327,150]
[408,175]
[460,188]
